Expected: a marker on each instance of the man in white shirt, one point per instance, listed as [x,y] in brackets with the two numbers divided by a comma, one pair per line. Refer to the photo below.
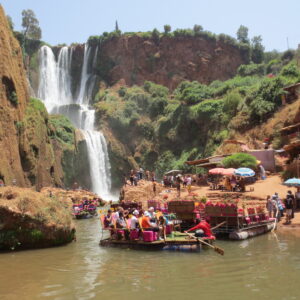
[134,222]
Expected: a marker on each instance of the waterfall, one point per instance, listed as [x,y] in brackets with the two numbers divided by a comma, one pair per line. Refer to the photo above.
[55,90]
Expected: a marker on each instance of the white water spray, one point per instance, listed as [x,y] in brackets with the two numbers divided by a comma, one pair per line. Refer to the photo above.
[55,91]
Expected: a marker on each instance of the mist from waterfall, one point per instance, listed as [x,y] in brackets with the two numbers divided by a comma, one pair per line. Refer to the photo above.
[55,90]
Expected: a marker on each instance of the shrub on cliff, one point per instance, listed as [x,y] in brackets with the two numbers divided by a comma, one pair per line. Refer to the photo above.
[251,69]
[192,92]
[167,29]
[239,160]
[62,129]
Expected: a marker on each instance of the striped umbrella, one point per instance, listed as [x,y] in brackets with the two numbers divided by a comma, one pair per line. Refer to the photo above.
[292,182]
[228,172]
[216,171]
[244,172]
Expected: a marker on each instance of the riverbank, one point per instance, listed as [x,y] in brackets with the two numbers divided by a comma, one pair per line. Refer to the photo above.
[29,219]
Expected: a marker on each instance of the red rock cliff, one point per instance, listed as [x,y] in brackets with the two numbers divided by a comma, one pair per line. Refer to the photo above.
[168,61]
[13,87]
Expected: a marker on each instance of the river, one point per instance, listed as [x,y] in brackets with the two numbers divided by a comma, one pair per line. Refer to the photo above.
[266,267]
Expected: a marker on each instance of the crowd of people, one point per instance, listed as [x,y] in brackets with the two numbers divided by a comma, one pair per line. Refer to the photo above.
[135,219]
[139,174]
[277,207]
[227,183]
[149,220]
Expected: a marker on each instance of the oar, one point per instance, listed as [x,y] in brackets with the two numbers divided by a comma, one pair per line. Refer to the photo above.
[217,249]
[219,225]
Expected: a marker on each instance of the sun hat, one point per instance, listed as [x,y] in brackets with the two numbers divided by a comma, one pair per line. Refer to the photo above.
[135,212]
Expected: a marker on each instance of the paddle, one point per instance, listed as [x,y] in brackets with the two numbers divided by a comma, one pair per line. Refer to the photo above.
[217,249]
[219,225]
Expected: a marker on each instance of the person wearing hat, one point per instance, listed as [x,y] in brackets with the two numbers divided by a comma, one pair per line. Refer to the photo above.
[289,206]
[148,225]
[134,222]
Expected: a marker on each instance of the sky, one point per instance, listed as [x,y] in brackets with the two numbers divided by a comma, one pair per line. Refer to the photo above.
[68,21]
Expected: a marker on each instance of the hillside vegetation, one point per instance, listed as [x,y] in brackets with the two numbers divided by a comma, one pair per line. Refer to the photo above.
[150,126]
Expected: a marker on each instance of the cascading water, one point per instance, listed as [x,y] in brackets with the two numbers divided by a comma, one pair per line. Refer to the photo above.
[55,91]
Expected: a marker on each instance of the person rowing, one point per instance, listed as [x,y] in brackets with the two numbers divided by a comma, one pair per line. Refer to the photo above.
[202,229]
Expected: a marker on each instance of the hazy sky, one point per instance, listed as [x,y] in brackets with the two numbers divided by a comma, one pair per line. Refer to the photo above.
[67,21]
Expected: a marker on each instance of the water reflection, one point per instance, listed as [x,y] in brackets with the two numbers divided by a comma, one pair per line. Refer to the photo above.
[262,268]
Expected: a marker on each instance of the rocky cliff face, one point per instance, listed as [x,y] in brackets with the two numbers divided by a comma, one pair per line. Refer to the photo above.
[35,148]
[167,61]
[13,99]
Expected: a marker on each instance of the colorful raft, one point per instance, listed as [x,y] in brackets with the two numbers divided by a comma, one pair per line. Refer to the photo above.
[173,243]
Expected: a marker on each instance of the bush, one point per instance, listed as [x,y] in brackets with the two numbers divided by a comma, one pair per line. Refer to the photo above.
[62,129]
[231,103]
[291,70]
[192,92]
[288,55]
[239,160]
[167,29]
[13,98]
[252,69]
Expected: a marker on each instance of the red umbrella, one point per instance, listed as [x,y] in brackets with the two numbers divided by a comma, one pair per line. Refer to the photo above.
[228,172]
[216,171]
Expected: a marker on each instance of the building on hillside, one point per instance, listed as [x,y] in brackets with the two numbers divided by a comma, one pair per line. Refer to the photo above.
[292,136]
[292,93]
[266,158]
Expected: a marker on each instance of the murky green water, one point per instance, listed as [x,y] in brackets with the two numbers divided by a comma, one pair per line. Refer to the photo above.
[261,268]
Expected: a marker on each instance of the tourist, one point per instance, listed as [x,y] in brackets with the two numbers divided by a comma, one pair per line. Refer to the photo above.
[233,183]
[147,174]
[269,206]
[184,184]
[149,226]
[189,184]
[108,219]
[276,213]
[202,229]
[135,180]
[280,205]
[297,197]
[152,215]
[131,177]
[153,176]
[14,182]
[154,187]
[1,183]
[134,221]
[227,184]
[141,172]
[289,206]
[178,185]
[120,222]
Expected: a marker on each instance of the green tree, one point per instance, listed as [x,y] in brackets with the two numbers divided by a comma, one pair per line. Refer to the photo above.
[167,29]
[257,53]
[231,103]
[10,22]
[31,26]
[242,34]
[197,29]
[239,160]
[155,35]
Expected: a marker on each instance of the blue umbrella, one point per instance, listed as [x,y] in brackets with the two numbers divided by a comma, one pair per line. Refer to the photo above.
[244,172]
[292,182]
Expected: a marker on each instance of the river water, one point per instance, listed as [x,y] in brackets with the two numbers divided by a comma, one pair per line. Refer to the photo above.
[266,267]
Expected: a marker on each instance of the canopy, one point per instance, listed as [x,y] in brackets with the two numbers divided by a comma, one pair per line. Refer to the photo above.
[216,171]
[244,172]
[228,172]
[173,172]
[292,182]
